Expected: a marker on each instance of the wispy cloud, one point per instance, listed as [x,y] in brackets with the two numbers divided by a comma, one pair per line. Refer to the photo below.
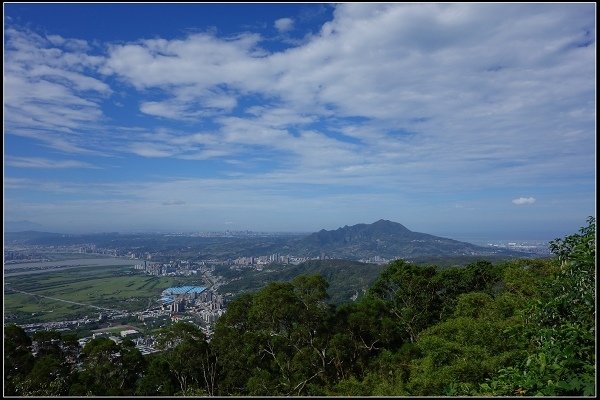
[38,162]
[49,94]
[523,200]
[284,24]
[173,203]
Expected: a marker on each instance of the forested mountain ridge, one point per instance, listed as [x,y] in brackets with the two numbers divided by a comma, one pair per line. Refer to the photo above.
[389,240]
[521,327]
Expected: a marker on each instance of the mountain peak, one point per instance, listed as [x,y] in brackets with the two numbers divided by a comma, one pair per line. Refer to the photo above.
[385,222]
[386,239]
[389,225]
[382,221]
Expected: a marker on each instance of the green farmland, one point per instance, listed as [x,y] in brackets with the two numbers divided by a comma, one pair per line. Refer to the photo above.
[114,287]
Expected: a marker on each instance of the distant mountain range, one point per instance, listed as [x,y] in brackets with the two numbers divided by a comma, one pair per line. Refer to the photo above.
[383,238]
[18,226]
[388,239]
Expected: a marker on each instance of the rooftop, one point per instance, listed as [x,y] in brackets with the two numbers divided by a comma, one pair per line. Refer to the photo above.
[183,290]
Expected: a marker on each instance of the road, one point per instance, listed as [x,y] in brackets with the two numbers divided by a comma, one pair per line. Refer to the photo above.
[207,278]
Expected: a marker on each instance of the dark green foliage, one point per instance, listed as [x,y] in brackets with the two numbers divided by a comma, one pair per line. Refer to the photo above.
[190,360]
[232,342]
[362,330]
[572,294]
[277,339]
[525,278]
[481,276]
[50,376]
[18,360]
[99,375]
[410,295]
[466,349]
[108,369]
[386,375]
[561,325]
[158,379]
[53,370]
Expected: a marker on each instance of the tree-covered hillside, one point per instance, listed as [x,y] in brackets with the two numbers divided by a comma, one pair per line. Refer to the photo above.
[521,327]
[347,279]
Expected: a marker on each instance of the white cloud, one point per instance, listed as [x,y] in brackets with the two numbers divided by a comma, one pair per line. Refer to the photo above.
[173,203]
[466,81]
[523,200]
[49,93]
[150,150]
[284,24]
[38,162]
[190,103]
[200,59]
[164,109]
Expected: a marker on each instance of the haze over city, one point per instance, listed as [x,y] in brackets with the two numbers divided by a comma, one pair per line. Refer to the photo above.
[452,119]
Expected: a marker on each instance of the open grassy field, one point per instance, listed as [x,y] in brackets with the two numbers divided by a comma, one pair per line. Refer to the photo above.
[116,329]
[22,308]
[115,287]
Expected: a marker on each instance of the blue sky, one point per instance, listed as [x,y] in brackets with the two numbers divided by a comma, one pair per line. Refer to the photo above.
[452,119]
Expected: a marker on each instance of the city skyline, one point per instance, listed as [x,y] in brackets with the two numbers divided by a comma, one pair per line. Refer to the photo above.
[447,118]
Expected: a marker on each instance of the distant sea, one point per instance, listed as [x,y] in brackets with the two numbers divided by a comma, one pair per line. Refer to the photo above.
[484,240]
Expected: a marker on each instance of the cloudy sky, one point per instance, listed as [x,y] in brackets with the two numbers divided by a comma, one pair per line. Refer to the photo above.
[452,119]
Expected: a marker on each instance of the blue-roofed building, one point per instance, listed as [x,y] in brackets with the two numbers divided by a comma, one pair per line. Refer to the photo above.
[169,294]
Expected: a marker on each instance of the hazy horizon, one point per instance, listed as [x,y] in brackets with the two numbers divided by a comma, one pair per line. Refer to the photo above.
[455,118]
[471,237]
